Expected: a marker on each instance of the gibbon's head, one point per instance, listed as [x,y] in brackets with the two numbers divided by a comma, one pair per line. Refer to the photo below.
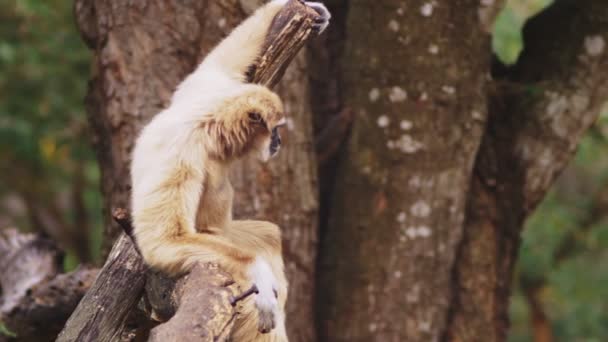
[249,123]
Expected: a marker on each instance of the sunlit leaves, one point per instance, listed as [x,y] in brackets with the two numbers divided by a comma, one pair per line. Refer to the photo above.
[507,40]
[44,67]
[564,251]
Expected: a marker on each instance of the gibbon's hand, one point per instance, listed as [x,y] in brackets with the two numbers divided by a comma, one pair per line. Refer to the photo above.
[322,21]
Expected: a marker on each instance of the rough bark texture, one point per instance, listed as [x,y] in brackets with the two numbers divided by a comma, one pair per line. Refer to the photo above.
[400,196]
[533,137]
[36,299]
[203,310]
[142,52]
[101,314]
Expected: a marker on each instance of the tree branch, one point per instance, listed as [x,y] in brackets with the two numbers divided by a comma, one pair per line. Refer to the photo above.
[37,299]
[202,300]
[533,135]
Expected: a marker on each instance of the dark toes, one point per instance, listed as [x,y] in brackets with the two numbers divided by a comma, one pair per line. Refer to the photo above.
[266,321]
[317,28]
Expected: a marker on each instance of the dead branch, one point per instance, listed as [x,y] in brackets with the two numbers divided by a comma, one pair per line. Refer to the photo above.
[199,303]
[37,298]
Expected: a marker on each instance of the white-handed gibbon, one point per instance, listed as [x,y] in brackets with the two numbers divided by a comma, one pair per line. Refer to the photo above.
[181,195]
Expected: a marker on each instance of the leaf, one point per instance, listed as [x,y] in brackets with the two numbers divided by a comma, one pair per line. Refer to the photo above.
[507,39]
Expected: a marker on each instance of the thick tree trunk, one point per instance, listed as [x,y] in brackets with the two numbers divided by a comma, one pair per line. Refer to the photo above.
[415,79]
[414,250]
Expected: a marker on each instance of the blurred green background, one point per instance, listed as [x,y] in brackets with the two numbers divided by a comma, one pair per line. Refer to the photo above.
[50,180]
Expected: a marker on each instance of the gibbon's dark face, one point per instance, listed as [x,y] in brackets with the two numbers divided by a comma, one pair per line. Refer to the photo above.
[275,142]
[270,142]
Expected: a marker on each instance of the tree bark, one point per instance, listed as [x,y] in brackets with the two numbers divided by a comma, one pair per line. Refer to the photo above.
[101,314]
[37,298]
[400,196]
[203,310]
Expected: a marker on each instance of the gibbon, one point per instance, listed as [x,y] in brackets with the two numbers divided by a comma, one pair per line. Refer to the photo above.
[181,196]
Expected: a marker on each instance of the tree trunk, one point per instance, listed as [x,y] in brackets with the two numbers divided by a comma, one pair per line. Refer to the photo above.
[400,196]
[424,229]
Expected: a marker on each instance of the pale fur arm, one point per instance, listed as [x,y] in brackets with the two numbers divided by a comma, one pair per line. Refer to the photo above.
[244,44]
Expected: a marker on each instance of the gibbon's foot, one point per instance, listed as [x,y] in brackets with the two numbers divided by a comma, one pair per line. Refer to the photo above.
[320,23]
[253,289]
[266,301]
[266,321]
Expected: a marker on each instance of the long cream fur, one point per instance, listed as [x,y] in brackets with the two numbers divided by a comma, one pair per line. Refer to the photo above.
[181,194]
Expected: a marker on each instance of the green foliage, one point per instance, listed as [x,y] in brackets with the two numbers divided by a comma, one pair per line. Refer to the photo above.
[564,251]
[507,40]
[43,128]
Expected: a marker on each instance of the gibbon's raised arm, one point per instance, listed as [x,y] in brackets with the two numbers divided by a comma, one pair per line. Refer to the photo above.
[243,45]
[237,52]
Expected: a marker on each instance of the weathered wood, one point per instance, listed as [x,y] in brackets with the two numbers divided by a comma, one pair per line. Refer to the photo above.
[204,312]
[289,31]
[101,314]
[37,299]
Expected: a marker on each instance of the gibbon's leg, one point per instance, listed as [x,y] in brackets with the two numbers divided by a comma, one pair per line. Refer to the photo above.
[165,201]
[164,205]
[241,48]
[264,240]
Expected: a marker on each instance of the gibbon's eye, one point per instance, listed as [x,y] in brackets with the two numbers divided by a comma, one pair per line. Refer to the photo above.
[255,117]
